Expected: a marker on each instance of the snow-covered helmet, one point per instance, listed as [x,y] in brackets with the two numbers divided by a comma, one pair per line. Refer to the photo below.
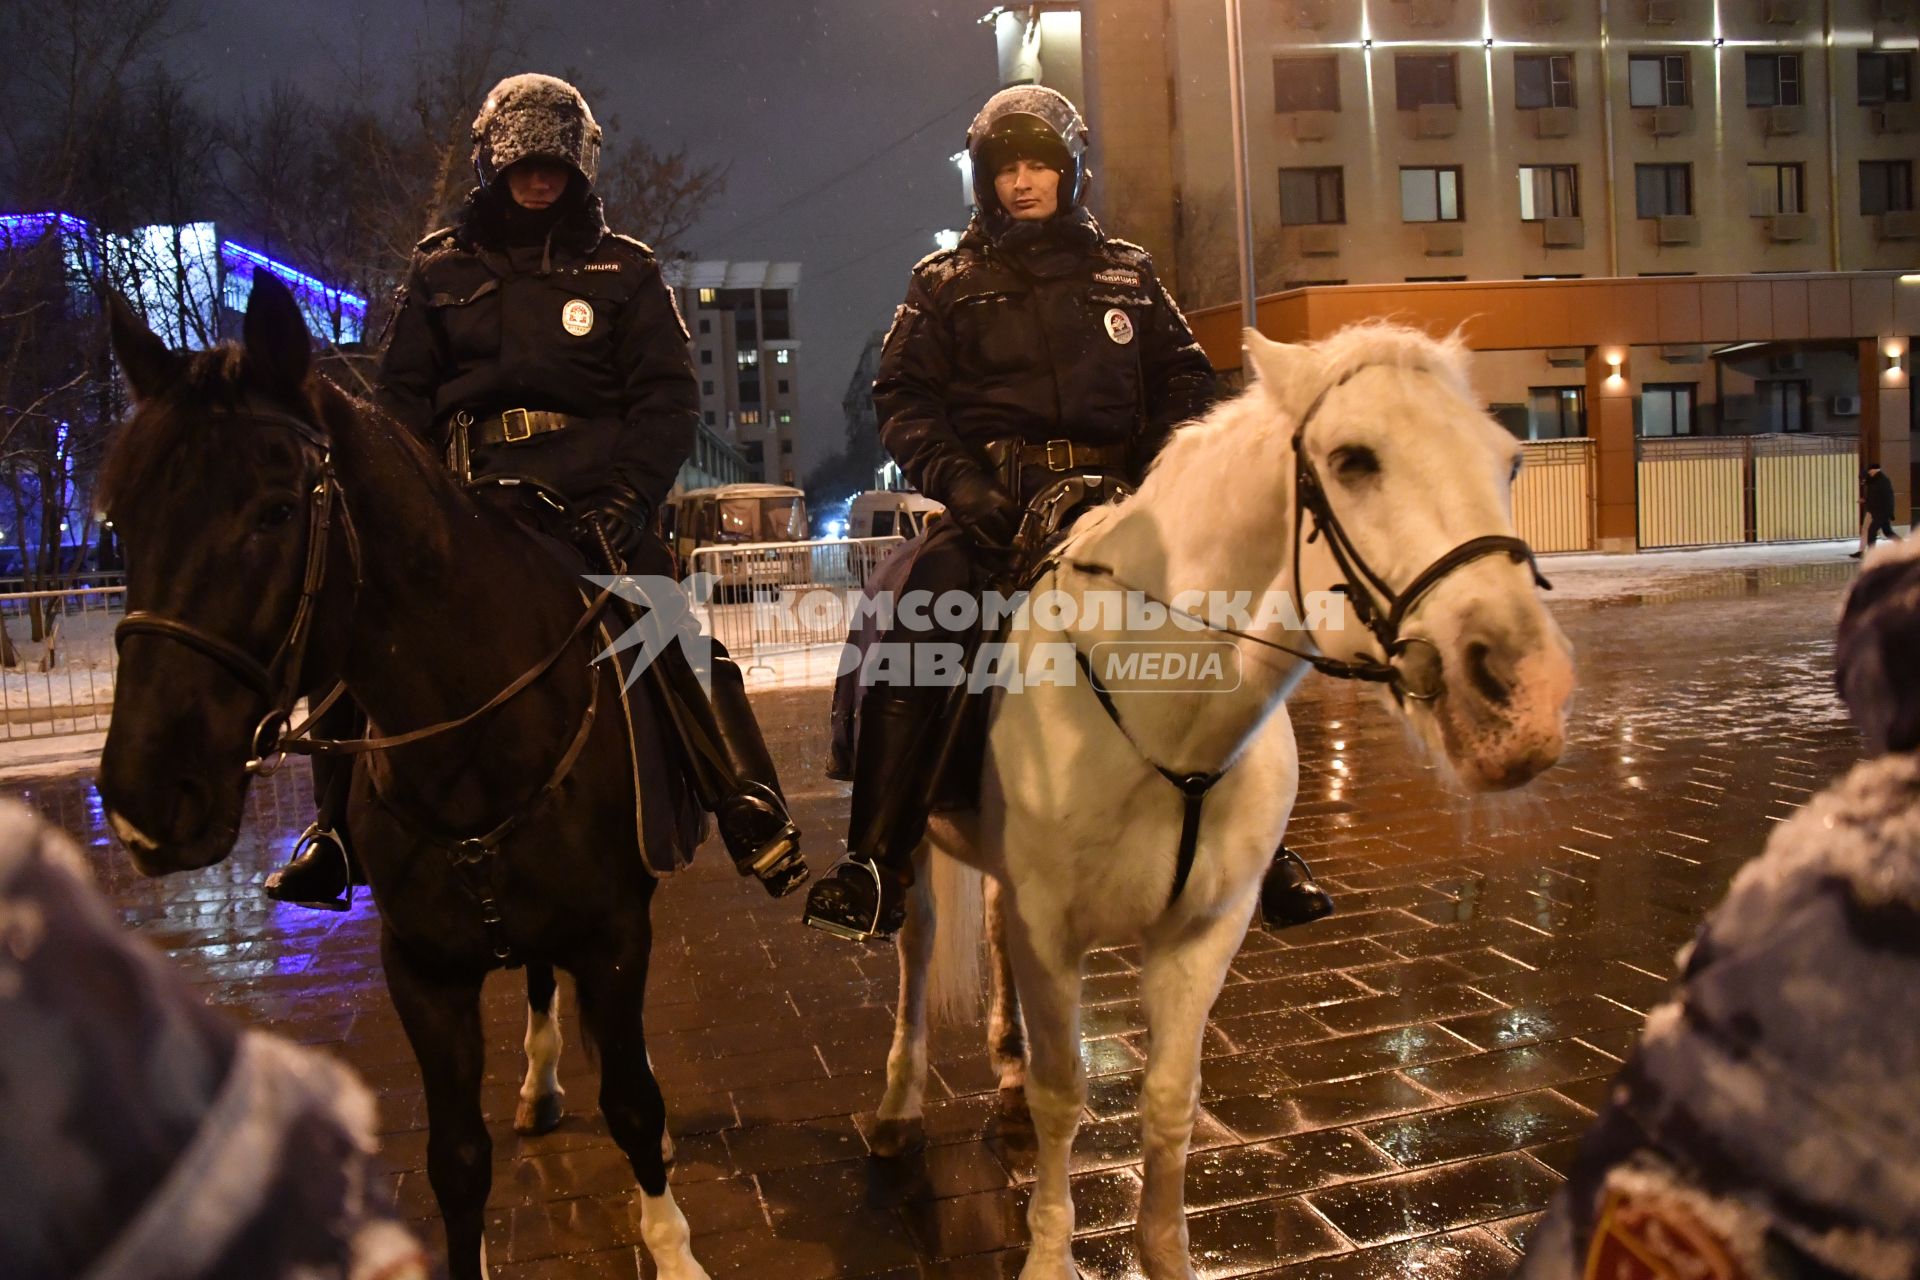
[1034,122]
[532,115]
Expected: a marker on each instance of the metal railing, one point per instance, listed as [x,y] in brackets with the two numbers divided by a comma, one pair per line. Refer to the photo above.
[1715,490]
[1553,496]
[57,661]
[777,597]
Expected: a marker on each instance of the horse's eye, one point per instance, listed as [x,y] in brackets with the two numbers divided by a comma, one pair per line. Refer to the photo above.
[274,516]
[1354,462]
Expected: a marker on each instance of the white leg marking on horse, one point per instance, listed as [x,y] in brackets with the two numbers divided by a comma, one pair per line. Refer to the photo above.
[1178,983]
[897,1126]
[542,1044]
[664,1230]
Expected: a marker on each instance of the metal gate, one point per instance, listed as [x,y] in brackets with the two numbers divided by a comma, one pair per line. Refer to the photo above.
[1805,487]
[1553,496]
[1717,490]
[1692,492]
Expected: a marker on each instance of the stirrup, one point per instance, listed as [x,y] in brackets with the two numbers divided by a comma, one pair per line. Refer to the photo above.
[309,840]
[839,929]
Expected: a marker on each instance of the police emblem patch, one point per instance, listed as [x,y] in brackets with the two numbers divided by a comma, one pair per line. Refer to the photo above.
[1119,326]
[577,317]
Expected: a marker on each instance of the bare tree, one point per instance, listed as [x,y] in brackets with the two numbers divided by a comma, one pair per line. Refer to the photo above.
[658,196]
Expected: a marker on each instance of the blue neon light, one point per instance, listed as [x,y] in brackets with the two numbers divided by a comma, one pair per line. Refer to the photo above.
[298,279]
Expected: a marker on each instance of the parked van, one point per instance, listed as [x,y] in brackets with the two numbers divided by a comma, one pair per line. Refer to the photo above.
[737,515]
[881,513]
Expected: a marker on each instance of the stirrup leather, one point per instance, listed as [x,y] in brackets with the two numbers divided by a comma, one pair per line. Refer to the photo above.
[849,932]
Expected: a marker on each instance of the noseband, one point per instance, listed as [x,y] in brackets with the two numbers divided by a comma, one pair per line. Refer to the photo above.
[276,680]
[1381,610]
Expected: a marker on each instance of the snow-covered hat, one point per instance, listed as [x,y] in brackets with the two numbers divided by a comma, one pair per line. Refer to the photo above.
[1034,122]
[534,116]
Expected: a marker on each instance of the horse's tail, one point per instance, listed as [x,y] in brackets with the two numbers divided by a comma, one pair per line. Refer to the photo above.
[954,991]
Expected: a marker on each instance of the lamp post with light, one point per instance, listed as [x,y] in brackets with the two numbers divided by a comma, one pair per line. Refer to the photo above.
[1242,166]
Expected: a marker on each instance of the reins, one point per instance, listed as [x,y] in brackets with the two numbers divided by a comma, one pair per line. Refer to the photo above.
[277,682]
[1380,609]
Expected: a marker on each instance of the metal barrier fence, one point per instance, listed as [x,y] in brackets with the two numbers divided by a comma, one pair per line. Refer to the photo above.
[1715,490]
[778,597]
[57,661]
[1553,497]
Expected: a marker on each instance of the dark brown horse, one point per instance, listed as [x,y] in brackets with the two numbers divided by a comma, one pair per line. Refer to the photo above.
[281,535]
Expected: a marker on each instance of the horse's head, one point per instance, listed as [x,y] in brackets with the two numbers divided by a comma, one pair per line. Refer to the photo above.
[1411,475]
[209,485]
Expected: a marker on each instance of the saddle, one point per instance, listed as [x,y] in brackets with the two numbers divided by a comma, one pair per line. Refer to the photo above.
[961,722]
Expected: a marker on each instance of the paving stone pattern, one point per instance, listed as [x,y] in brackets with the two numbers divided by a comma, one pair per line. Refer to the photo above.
[1393,1091]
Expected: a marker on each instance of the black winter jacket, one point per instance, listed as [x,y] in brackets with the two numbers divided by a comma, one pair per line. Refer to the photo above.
[1042,334]
[582,324]
[1876,493]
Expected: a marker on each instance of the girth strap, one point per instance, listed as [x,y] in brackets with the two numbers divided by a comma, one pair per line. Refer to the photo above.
[1193,787]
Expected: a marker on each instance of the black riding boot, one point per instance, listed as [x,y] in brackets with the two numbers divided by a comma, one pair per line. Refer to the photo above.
[322,871]
[731,769]
[1290,895]
[866,895]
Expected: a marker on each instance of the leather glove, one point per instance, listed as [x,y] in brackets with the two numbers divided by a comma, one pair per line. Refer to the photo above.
[987,512]
[621,513]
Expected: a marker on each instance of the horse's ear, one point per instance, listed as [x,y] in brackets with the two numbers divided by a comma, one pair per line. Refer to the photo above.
[278,348]
[1284,367]
[142,356]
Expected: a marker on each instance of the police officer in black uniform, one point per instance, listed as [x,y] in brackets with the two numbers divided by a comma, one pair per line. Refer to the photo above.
[546,355]
[1036,348]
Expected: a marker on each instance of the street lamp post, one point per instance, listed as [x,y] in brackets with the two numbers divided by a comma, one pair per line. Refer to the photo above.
[1242,205]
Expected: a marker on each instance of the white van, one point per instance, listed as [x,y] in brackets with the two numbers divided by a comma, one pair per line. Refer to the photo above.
[880,513]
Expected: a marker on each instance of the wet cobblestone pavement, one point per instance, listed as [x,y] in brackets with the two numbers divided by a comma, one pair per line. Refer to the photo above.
[1391,1092]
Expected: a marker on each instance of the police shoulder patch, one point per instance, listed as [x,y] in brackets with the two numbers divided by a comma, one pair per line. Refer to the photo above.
[1126,252]
[435,240]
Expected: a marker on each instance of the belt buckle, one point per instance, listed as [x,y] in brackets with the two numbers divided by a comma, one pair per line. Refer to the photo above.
[506,426]
[1067,447]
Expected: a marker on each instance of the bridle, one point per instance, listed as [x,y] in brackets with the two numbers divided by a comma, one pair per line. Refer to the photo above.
[1381,610]
[277,680]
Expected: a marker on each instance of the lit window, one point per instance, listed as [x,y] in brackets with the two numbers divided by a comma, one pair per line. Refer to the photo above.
[783,356]
[748,357]
[1658,80]
[785,418]
[749,417]
[1430,195]
[707,296]
[1549,191]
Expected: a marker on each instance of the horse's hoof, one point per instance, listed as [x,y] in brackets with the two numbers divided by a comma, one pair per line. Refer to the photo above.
[897,1137]
[538,1115]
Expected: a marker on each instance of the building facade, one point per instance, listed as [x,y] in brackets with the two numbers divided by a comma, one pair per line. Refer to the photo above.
[1650,219]
[740,318]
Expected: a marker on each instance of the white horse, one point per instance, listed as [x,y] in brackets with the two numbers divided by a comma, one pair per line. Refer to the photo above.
[1080,827]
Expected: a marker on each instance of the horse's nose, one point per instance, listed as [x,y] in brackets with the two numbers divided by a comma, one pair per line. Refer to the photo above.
[192,802]
[1491,672]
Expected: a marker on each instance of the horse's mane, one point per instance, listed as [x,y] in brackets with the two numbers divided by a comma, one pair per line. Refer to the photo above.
[1190,464]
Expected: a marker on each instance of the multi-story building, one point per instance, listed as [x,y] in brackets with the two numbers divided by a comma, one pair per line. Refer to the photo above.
[1649,218]
[740,316]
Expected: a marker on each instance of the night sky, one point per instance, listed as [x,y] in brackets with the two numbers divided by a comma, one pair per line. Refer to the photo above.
[785,93]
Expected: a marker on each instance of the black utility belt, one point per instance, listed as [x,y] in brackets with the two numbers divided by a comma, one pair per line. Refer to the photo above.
[1057,455]
[510,427]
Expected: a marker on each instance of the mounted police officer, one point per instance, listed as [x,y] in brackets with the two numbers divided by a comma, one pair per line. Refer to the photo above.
[546,355]
[1037,349]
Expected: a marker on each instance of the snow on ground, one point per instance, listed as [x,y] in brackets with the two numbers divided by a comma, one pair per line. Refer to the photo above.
[1593,576]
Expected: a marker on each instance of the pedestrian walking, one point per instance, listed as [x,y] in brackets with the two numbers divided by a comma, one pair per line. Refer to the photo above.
[1876,508]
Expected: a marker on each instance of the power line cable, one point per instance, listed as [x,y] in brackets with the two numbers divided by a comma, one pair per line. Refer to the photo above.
[842,175]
